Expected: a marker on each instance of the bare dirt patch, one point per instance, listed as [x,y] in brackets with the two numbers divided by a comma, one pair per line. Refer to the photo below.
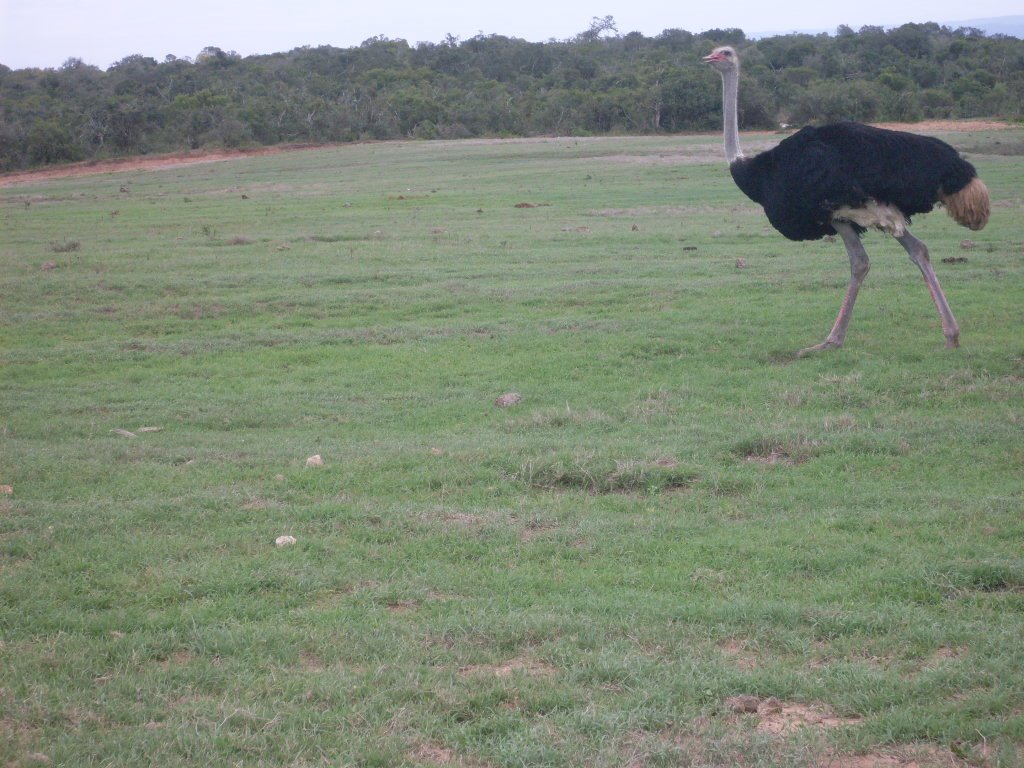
[774,456]
[770,451]
[703,742]
[740,655]
[310,662]
[179,658]
[520,665]
[943,655]
[463,519]
[258,502]
[914,756]
[535,529]
[782,718]
[432,754]
[402,606]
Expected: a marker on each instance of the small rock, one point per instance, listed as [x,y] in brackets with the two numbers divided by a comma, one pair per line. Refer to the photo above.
[284,541]
[967,244]
[315,461]
[741,263]
[508,399]
[48,265]
[7,490]
[743,703]
[123,433]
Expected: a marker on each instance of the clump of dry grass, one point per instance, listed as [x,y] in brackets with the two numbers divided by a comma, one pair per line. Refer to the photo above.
[66,246]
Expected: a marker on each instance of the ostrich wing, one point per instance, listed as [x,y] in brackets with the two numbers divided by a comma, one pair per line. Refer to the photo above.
[799,183]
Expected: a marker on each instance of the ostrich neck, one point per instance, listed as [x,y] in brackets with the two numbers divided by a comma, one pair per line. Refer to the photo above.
[730,95]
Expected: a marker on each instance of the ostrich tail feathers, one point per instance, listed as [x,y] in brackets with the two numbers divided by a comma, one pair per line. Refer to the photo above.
[970,206]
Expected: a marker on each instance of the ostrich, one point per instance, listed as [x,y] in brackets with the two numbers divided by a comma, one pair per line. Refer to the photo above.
[846,177]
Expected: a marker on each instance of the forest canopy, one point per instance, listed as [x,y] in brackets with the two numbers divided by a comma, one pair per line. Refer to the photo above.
[599,82]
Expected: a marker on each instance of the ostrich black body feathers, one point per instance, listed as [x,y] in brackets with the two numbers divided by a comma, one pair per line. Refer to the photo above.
[818,170]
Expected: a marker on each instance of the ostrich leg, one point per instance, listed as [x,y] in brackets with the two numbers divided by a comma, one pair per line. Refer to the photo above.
[918,253]
[859,267]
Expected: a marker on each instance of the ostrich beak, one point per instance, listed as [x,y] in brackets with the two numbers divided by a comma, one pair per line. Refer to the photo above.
[715,56]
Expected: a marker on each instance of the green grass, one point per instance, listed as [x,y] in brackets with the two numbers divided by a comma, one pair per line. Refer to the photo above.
[678,511]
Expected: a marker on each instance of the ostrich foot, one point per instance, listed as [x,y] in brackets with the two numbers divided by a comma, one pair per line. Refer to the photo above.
[826,344]
[952,333]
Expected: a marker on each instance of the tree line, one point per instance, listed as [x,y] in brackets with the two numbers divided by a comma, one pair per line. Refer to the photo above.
[599,82]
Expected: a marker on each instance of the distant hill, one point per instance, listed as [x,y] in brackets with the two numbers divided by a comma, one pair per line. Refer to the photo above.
[998,25]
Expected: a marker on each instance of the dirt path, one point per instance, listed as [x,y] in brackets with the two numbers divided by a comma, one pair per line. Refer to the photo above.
[147,163]
[942,126]
[176,160]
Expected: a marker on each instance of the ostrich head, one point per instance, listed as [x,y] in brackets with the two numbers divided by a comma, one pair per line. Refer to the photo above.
[724,59]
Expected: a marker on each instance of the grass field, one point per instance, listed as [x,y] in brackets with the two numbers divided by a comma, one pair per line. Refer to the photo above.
[682,547]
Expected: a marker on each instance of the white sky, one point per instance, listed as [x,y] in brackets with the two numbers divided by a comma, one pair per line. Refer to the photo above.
[45,33]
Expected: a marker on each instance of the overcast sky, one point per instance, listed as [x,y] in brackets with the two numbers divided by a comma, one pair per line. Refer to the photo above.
[45,33]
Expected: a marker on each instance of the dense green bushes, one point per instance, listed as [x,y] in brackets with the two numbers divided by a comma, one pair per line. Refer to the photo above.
[599,82]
